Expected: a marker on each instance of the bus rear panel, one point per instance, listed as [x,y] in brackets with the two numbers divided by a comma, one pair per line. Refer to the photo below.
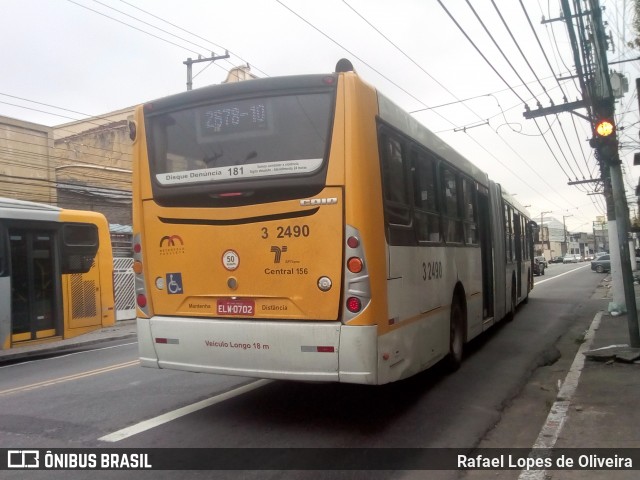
[242,240]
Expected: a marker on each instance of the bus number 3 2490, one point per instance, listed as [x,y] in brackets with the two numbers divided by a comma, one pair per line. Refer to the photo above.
[431,270]
[289,231]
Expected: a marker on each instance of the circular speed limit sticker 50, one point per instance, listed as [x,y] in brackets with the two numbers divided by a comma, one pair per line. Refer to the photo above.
[230,260]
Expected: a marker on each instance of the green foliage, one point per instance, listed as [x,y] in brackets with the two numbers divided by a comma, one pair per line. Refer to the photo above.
[635,43]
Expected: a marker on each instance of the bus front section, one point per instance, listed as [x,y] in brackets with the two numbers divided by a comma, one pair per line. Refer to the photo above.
[240,242]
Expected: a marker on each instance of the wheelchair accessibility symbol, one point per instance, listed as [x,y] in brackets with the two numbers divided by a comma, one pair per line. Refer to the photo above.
[174,283]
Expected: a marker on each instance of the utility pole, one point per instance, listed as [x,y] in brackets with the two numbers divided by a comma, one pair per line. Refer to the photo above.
[189,62]
[598,100]
[605,143]
[542,230]
[564,224]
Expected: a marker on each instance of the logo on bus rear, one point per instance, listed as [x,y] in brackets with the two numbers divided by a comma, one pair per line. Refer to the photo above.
[171,241]
[278,251]
[171,245]
[310,202]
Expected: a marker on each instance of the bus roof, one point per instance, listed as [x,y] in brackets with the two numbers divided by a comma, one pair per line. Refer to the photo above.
[248,87]
[25,205]
[403,121]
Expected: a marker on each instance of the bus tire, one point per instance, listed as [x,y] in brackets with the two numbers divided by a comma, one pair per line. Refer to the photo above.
[456,337]
[514,299]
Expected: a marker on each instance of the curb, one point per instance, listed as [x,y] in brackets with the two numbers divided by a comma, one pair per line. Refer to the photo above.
[107,334]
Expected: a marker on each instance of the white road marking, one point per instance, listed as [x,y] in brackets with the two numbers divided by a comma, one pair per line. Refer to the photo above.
[68,378]
[562,274]
[558,414]
[169,416]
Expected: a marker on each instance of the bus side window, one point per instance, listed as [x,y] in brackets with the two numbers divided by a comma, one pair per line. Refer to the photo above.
[527,238]
[79,247]
[508,232]
[469,205]
[451,190]
[393,180]
[3,252]
[425,198]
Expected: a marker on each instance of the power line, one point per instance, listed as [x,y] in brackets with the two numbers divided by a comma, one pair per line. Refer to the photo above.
[449,121]
[522,80]
[197,36]
[355,56]
[480,52]
[135,28]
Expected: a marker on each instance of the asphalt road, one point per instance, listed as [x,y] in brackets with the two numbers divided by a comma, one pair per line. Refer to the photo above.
[102,398]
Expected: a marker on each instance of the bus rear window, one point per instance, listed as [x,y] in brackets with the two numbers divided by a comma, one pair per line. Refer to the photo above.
[77,234]
[80,244]
[240,139]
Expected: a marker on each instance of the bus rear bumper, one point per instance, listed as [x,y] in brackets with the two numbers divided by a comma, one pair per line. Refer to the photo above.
[289,350]
[146,352]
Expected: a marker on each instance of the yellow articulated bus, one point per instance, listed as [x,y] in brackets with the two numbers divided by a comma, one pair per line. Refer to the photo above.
[306,228]
[56,273]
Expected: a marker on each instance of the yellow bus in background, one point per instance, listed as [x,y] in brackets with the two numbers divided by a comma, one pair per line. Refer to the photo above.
[56,273]
[307,228]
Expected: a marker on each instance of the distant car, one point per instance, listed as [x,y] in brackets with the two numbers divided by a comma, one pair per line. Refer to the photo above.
[555,260]
[601,264]
[571,258]
[538,266]
[542,260]
[599,254]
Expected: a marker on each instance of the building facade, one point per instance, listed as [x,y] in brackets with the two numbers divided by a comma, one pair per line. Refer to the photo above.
[27,165]
[93,165]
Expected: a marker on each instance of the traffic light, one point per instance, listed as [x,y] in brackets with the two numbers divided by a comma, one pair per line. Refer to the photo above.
[604,139]
[605,128]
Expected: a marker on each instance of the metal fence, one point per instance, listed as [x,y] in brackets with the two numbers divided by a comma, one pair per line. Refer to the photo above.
[125,292]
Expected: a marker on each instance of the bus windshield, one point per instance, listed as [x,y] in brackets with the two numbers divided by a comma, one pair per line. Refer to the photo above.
[265,136]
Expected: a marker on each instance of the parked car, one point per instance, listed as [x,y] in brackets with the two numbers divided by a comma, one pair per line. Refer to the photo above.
[542,260]
[601,264]
[555,260]
[571,258]
[538,266]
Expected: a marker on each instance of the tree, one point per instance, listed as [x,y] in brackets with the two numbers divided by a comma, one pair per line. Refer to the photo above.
[635,24]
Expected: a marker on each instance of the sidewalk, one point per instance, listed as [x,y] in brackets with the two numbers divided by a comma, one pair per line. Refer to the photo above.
[121,330]
[603,411]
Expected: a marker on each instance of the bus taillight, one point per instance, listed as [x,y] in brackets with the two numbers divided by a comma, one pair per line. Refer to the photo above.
[354,305]
[356,284]
[141,299]
[138,268]
[355,265]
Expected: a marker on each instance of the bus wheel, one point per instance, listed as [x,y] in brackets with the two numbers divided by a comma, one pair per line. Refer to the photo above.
[512,309]
[456,337]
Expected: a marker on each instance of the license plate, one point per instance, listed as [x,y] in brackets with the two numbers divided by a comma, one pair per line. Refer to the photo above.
[236,307]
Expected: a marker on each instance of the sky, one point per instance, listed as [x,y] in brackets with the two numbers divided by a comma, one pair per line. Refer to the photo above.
[466,69]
